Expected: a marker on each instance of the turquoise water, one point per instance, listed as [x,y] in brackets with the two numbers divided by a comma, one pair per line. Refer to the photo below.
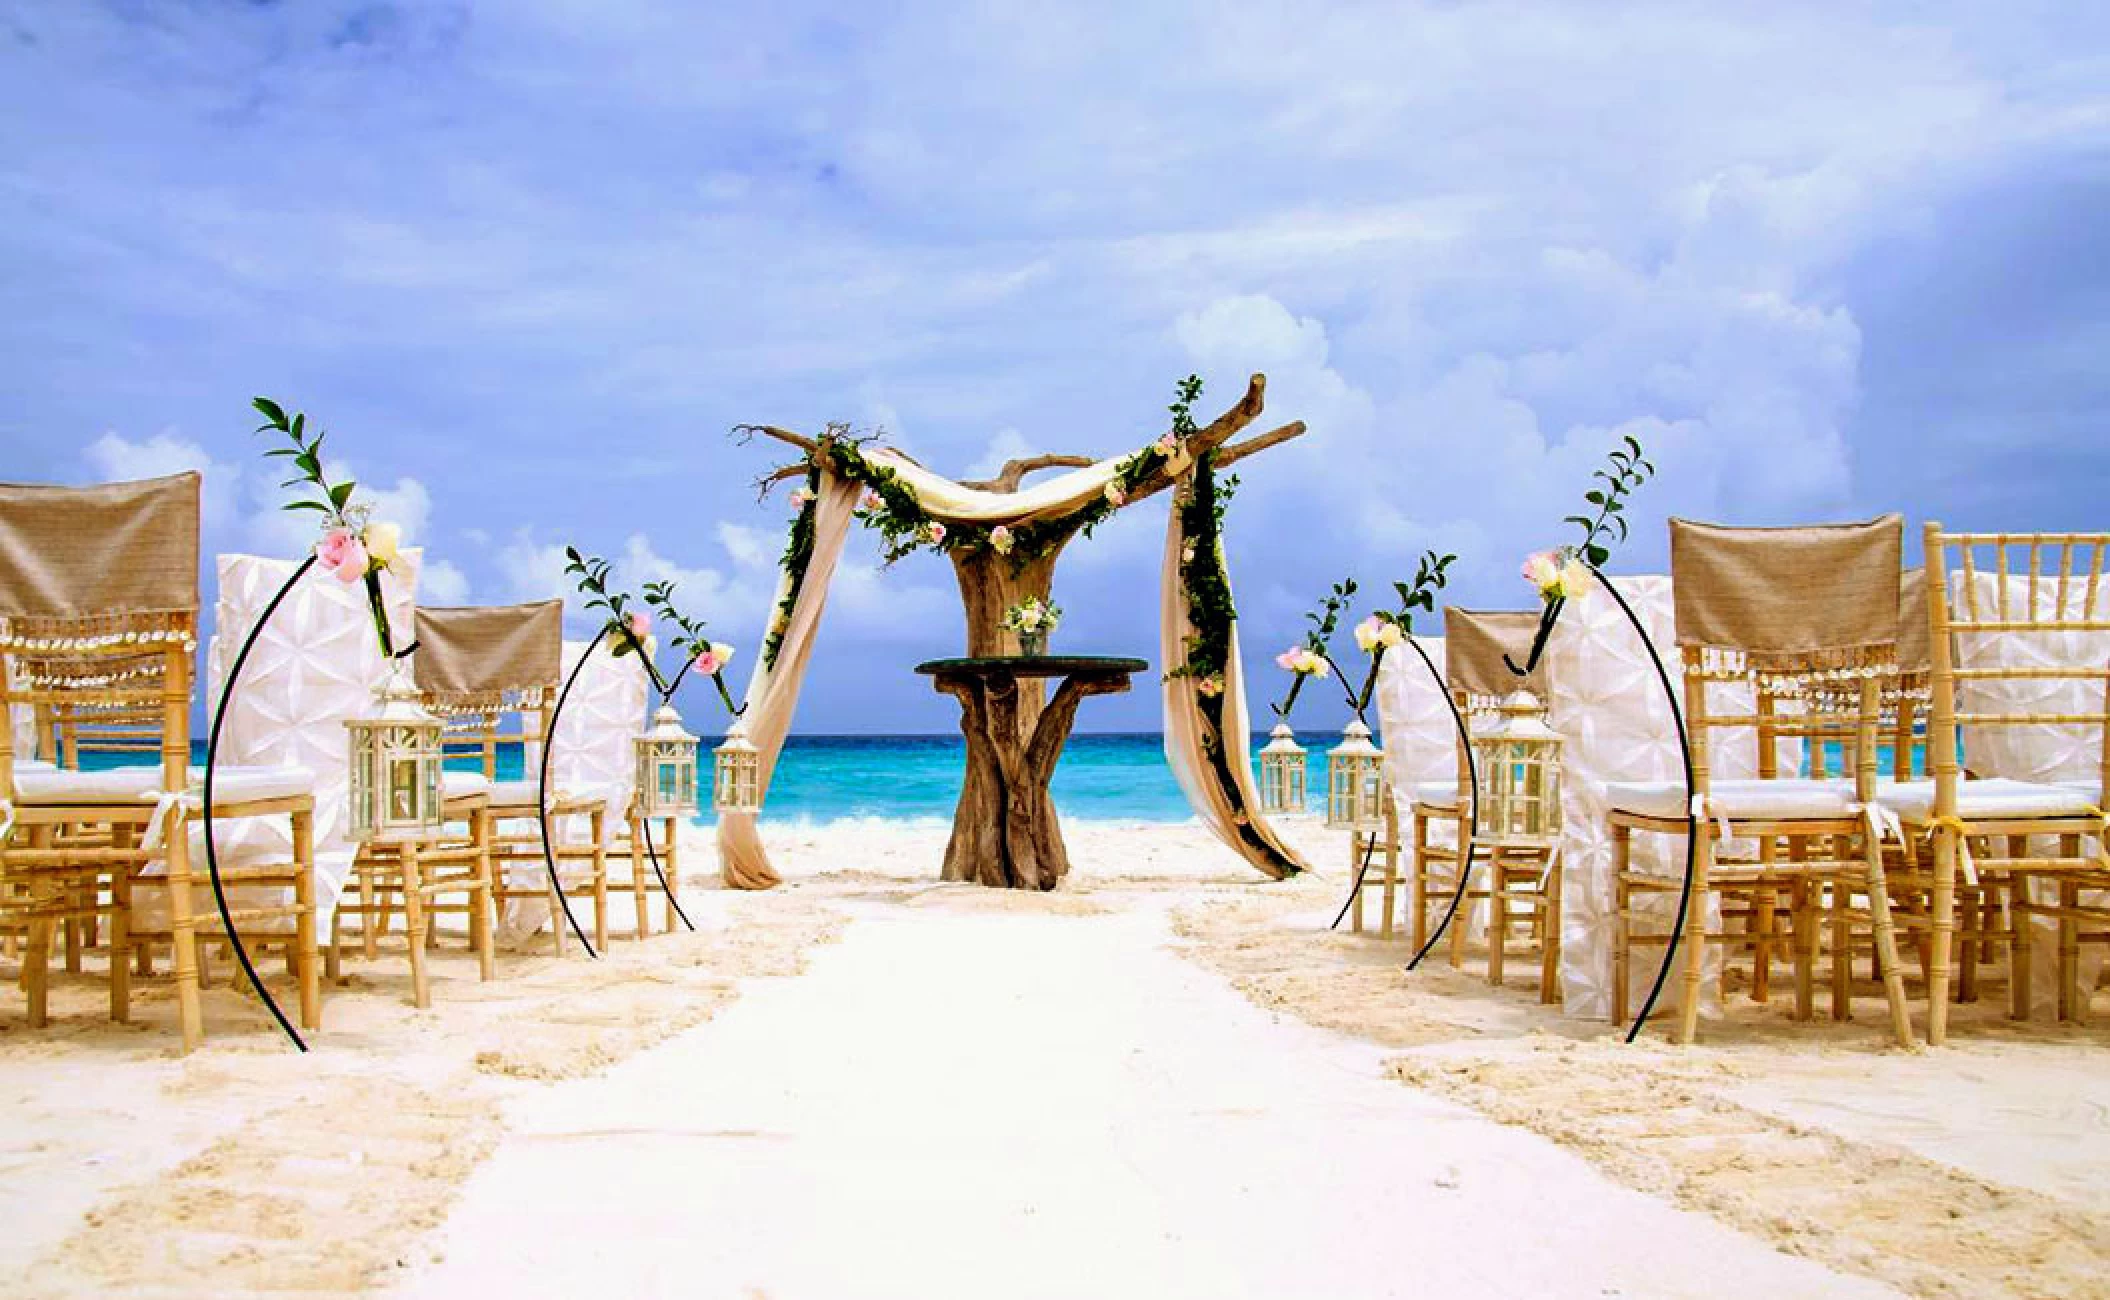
[835,778]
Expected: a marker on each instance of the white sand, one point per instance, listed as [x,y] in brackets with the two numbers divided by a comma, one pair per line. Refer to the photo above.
[963,1100]
[1166,1078]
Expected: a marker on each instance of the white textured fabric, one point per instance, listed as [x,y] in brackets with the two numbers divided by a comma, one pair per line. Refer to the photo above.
[1989,799]
[592,758]
[1784,799]
[109,785]
[1616,725]
[2037,753]
[602,718]
[314,668]
[1421,739]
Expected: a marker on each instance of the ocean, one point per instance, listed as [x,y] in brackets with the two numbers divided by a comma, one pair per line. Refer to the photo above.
[1109,777]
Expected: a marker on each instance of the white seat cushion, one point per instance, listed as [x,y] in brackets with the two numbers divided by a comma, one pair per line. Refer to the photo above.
[1990,799]
[141,783]
[1441,794]
[460,785]
[1783,799]
[49,785]
[238,783]
[32,765]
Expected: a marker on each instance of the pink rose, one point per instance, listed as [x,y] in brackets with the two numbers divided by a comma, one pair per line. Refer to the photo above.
[343,554]
[1114,495]
[934,533]
[801,496]
[870,501]
[1287,661]
[1167,445]
[640,624]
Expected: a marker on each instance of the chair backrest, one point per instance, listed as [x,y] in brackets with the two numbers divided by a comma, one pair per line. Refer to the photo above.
[1476,643]
[479,665]
[2019,633]
[98,619]
[1806,617]
[312,669]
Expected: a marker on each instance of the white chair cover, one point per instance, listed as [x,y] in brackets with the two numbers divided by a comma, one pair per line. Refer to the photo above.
[593,755]
[1421,741]
[314,668]
[1616,726]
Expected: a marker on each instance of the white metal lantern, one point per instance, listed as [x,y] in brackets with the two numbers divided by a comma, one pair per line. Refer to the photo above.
[1355,781]
[1282,772]
[1517,758]
[736,784]
[395,766]
[666,767]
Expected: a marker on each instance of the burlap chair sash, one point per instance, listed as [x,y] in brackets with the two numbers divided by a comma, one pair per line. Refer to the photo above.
[1816,602]
[1475,642]
[95,570]
[490,658]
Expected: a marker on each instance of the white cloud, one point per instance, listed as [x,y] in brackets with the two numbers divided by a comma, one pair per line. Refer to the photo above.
[114,458]
[440,582]
[1006,444]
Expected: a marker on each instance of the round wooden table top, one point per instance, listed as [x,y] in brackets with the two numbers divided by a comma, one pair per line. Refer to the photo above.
[1033,666]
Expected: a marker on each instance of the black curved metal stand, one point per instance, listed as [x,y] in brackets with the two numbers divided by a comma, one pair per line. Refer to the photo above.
[1466,823]
[549,742]
[212,855]
[644,825]
[1355,888]
[1692,823]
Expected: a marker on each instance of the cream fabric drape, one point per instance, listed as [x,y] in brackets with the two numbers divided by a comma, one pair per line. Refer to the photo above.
[773,690]
[1184,727]
[955,503]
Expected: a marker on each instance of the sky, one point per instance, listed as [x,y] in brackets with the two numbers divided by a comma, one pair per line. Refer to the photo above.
[530,261]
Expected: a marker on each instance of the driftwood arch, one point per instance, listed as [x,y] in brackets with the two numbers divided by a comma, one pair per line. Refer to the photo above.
[989,582]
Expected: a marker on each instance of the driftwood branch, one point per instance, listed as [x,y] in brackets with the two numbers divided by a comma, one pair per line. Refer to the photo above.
[1232,453]
[1216,436]
[1014,471]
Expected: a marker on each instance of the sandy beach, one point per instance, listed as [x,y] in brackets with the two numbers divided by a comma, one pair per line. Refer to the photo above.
[1166,1079]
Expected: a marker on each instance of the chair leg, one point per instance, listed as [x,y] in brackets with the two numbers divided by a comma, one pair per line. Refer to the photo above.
[1622,923]
[1887,944]
[36,972]
[1497,916]
[304,920]
[2021,960]
[414,925]
[1842,925]
[1418,885]
[640,892]
[2072,1004]
[599,861]
[370,914]
[1761,929]
[1696,938]
[183,937]
[483,897]
[670,859]
[121,940]
[1943,925]
[1550,940]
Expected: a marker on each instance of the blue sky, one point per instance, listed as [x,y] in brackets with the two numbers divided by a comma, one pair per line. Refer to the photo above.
[528,261]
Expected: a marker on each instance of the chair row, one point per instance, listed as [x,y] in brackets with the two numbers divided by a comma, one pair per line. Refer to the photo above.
[1880,757]
[102,851]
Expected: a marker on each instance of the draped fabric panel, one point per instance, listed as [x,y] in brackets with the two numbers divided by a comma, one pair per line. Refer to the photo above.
[1185,727]
[773,690]
[952,502]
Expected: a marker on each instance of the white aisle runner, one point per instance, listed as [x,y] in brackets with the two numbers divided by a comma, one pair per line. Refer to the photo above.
[959,1103]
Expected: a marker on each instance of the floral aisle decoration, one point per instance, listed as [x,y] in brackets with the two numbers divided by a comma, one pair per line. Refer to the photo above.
[1355,780]
[666,754]
[1032,620]
[354,546]
[1563,573]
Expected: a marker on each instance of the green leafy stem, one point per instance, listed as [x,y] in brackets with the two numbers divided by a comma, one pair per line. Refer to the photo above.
[333,501]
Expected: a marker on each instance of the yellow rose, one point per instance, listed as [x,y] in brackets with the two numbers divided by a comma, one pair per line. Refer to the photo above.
[383,541]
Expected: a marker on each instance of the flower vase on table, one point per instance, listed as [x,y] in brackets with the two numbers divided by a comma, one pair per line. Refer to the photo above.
[1030,620]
